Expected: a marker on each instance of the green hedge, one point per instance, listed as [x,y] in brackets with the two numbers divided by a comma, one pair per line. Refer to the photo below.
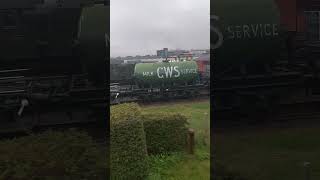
[124,112]
[128,150]
[52,155]
[165,132]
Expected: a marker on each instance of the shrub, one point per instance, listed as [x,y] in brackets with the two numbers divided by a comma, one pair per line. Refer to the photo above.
[124,112]
[128,150]
[165,132]
[52,155]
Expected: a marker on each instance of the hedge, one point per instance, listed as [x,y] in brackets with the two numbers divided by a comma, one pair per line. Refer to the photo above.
[52,155]
[128,151]
[165,132]
[124,112]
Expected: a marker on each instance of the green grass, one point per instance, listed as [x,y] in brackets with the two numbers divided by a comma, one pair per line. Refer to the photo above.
[197,112]
[181,166]
[266,154]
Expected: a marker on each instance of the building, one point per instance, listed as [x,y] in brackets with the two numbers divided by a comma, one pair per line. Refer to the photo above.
[301,17]
[198,52]
[163,53]
[203,63]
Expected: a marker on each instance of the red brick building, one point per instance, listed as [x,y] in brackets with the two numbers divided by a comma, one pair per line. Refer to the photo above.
[302,16]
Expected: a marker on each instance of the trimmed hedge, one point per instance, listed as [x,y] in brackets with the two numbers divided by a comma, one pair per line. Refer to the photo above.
[124,112]
[165,132]
[52,155]
[128,151]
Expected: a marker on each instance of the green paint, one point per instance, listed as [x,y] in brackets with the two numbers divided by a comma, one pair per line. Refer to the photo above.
[166,73]
[251,31]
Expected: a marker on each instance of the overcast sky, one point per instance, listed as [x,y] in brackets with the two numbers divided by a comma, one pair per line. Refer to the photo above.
[140,27]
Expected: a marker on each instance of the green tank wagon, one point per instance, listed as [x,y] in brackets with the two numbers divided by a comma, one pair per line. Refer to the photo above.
[166,73]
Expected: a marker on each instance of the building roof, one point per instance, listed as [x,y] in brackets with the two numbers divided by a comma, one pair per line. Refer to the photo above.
[204,57]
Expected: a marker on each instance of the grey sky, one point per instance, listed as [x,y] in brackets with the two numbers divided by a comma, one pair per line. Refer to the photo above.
[140,27]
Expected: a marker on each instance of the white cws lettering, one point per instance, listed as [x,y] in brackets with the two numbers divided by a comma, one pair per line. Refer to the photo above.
[178,72]
[168,71]
[158,72]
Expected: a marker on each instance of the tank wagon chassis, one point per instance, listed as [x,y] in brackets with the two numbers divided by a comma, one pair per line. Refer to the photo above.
[279,86]
[28,102]
[266,61]
[125,94]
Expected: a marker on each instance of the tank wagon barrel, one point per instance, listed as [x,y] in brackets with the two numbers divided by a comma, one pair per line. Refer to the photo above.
[245,31]
[55,36]
[165,73]
[158,80]
[53,56]
[262,50]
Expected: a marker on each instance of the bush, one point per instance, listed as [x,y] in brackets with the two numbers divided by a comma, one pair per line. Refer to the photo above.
[52,155]
[124,112]
[165,132]
[128,150]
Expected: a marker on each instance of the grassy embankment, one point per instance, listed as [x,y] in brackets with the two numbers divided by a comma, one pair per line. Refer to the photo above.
[270,153]
[181,165]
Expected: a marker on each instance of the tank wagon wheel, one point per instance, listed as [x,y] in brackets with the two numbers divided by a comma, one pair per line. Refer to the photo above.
[193,94]
[149,98]
[187,93]
[168,95]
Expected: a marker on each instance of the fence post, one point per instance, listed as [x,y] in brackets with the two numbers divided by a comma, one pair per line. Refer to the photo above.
[191,141]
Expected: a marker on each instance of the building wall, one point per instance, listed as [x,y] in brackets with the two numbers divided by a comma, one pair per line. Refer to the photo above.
[288,13]
[292,14]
